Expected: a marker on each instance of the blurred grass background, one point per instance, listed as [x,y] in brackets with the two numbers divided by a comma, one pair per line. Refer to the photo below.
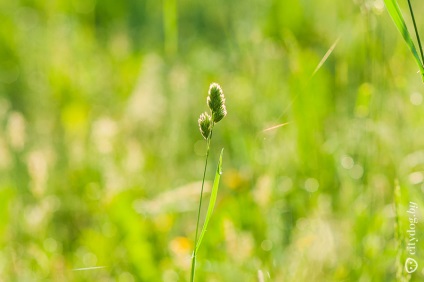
[101,157]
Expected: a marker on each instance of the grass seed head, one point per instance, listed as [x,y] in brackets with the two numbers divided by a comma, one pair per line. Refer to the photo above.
[216,102]
[205,124]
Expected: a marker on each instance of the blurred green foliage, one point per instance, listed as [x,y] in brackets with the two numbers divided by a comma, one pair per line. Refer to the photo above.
[101,158]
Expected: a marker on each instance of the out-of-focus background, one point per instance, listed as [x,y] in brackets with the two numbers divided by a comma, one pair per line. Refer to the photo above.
[101,157]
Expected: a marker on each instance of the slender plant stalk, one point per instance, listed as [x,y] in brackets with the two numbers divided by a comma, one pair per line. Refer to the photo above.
[193,258]
[216,104]
[401,275]
[416,31]
[397,17]
[398,233]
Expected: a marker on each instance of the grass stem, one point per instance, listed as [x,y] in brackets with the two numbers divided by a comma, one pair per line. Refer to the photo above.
[193,258]
[416,31]
[216,104]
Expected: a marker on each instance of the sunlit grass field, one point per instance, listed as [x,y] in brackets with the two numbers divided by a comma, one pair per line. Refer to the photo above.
[101,158]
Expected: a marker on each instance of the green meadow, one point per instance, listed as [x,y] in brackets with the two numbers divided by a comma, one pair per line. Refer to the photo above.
[101,157]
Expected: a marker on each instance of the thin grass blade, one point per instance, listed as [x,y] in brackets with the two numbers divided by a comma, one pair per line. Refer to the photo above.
[212,200]
[327,54]
[396,15]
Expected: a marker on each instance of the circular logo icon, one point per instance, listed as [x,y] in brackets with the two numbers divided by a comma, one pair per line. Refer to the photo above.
[411,265]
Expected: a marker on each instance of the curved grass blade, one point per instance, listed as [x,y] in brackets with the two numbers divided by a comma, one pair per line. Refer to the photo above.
[396,15]
[212,200]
